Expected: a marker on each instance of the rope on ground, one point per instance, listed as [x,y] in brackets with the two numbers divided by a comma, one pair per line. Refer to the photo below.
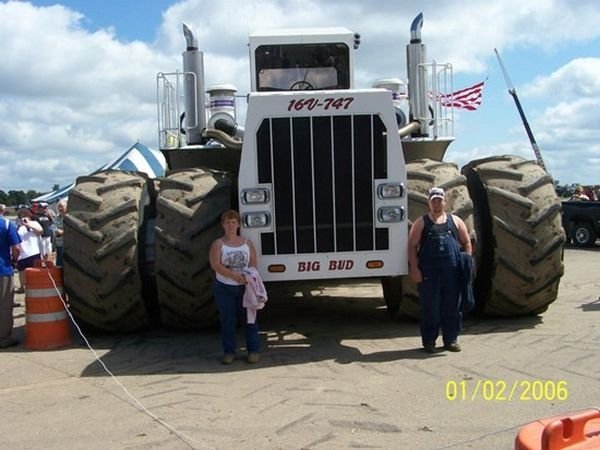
[187,440]
[478,438]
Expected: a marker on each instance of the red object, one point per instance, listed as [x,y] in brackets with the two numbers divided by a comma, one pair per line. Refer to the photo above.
[46,319]
[467,98]
[573,431]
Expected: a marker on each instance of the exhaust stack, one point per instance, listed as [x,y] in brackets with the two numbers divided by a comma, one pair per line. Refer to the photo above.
[193,67]
[416,53]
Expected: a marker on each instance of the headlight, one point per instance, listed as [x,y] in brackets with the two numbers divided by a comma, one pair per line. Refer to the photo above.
[254,196]
[256,219]
[389,214]
[390,190]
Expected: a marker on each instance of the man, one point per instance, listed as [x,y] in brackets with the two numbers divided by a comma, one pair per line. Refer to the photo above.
[29,232]
[9,253]
[435,264]
[39,211]
[59,231]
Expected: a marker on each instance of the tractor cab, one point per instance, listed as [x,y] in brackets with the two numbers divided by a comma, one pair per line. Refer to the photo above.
[302,59]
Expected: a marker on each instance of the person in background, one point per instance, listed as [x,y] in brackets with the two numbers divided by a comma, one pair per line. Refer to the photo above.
[2,209]
[229,256]
[59,231]
[30,232]
[579,194]
[434,256]
[40,214]
[589,192]
[9,253]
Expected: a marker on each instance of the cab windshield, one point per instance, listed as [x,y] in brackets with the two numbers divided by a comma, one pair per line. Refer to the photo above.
[302,67]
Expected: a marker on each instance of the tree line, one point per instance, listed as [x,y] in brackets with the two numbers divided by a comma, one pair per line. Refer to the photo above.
[15,198]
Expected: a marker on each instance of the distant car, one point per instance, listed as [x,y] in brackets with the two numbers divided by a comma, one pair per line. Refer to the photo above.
[581,221]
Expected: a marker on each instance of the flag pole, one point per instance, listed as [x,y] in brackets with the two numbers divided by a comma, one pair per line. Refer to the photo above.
[512,91]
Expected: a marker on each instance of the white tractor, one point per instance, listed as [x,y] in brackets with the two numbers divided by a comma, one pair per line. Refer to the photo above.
[327,179]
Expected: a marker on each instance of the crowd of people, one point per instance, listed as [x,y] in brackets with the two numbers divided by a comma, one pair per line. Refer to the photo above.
[35,235]
[40,230]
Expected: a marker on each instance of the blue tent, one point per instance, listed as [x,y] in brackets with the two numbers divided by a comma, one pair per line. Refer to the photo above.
[138,158]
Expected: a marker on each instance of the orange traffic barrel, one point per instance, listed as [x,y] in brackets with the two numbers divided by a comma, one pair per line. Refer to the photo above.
[574,431]
[46,319]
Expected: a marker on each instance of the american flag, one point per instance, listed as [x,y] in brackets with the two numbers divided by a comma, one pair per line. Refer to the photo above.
[467,98]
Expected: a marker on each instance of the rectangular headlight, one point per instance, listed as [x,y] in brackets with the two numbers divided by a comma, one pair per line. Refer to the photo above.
[390,214]
[255,196]
[390,190]
[256,219]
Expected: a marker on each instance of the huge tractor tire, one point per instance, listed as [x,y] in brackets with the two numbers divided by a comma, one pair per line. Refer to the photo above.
[517,218]
[101,260]
[189,206]
[423,174]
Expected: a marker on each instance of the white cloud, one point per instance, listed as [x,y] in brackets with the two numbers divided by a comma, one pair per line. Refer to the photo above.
[69,99]
[577,78]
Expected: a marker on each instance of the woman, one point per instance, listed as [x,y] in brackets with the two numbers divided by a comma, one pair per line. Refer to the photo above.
[229,256]
[30,233]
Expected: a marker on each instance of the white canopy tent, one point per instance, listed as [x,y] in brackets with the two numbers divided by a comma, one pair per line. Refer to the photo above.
[138,158]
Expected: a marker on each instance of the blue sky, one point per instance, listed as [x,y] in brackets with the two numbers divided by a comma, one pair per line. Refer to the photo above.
[77,86]
[131,19]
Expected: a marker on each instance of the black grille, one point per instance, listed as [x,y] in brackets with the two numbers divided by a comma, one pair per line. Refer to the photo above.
[322,171]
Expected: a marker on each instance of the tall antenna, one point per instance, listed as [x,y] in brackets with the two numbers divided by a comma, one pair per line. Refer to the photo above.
[513,92]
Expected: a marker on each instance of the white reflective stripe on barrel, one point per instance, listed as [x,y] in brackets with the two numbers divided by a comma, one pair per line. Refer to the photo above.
[48,317]
[48,292]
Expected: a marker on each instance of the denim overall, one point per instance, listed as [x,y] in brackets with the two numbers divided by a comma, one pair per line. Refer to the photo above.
[439,262]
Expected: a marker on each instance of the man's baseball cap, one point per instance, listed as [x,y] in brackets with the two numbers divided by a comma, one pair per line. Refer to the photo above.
[436,192]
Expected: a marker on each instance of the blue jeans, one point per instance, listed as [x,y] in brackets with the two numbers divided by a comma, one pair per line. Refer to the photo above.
[59,255]
[440,306]
[7,298]
[231,312]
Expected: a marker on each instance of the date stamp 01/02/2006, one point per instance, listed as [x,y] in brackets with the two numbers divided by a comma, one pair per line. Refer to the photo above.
[501,390]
